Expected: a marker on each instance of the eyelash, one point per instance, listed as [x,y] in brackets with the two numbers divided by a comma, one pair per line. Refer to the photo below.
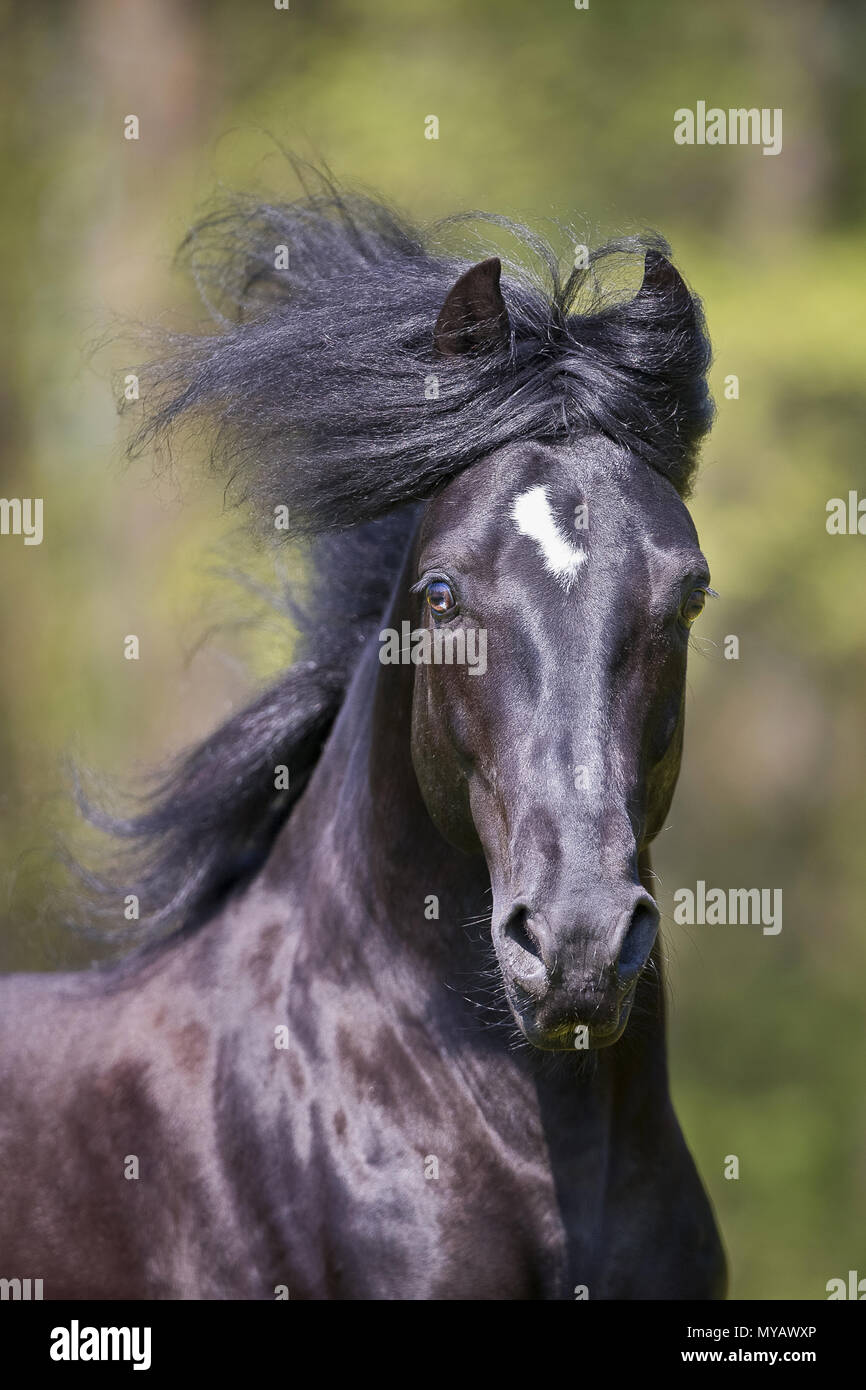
[433,578]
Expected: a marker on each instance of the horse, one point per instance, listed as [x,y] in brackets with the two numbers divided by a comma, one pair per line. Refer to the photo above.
[393,1021]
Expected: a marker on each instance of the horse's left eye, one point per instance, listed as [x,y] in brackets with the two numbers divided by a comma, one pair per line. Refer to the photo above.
[693,606]
[440,597]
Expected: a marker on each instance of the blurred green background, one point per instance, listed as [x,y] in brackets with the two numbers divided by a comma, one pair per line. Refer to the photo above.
[544,111]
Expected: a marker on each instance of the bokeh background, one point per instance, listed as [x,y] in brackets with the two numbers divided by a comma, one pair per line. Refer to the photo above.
[545,111]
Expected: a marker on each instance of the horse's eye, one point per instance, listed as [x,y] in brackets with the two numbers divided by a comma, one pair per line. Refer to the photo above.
[693,606]
[440,597]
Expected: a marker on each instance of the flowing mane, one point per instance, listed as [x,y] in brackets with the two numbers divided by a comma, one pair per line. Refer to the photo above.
[320,391]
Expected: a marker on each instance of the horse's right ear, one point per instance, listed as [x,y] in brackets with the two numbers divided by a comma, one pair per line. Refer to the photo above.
[474,314]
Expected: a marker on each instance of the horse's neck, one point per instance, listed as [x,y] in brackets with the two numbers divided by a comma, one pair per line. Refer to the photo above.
[361,836]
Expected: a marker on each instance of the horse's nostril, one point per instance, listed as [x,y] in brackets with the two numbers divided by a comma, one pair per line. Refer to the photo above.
[638,941]
[522,952]
[517,931]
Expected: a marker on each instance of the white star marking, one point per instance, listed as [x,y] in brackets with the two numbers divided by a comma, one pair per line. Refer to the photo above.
[531,511]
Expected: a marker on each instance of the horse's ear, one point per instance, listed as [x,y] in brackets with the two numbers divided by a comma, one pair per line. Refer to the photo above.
[662,281]
[474,313]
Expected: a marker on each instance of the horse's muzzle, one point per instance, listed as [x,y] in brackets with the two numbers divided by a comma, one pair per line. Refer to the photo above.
[573,987]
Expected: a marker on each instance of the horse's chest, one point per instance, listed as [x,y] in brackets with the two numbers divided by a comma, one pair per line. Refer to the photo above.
[425,1185]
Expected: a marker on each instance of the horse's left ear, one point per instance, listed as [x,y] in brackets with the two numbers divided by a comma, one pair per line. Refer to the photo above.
[662,280]
[474,314]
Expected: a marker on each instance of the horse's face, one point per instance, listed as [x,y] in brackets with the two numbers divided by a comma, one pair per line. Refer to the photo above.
[558,757]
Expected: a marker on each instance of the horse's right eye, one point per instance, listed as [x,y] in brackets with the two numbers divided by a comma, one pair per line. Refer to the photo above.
[440,597]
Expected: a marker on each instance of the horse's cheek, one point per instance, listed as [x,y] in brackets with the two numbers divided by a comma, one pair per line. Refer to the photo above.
[440,768]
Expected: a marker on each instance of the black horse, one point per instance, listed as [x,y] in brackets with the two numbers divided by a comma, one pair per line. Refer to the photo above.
[397,1030]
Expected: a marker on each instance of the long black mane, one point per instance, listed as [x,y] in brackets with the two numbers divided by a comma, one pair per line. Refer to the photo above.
[320,391]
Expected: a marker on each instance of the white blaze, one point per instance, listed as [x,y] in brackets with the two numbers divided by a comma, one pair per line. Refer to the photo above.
[533,516]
